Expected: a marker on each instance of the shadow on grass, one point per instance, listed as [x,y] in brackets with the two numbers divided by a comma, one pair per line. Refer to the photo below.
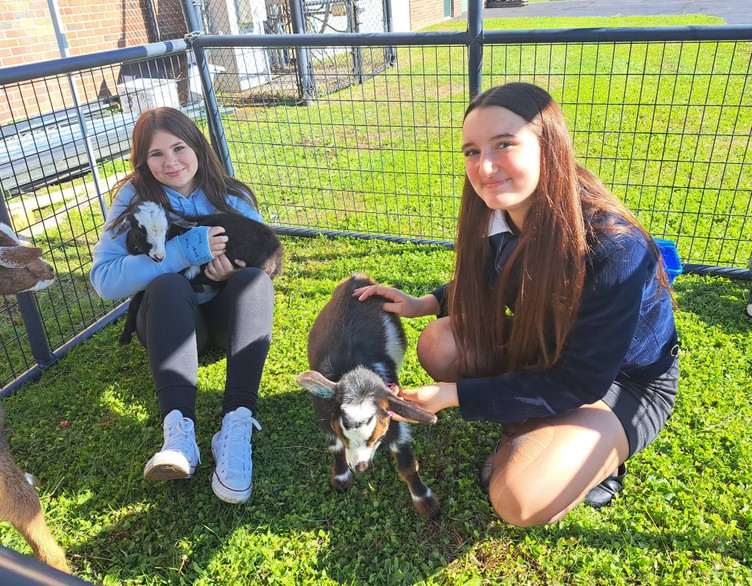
[713,300]
[295,524]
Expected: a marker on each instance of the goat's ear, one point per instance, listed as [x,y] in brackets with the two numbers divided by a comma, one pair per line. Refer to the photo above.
[410,411]
[16,257]
[317,384]
[121,227]
[179,221]
[7,236]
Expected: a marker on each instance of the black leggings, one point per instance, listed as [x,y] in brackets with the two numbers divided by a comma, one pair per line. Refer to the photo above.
[175,329]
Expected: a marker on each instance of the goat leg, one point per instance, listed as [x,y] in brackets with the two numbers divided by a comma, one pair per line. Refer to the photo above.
[342,476]
[130,319]
[424,500]
[19,505]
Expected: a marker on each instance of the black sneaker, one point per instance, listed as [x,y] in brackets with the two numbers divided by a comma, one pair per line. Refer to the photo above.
[602,494]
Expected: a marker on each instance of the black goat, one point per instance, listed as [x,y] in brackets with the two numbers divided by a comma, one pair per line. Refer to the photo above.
[150,226]
[354,349]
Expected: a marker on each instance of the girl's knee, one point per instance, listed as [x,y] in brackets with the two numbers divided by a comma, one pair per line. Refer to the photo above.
[516,507]
[168,290]
[437,351]
[169,282]
[254,278]
[250,288]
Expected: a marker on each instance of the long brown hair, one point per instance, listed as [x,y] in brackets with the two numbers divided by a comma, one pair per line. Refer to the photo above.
[569,206]
[210,176]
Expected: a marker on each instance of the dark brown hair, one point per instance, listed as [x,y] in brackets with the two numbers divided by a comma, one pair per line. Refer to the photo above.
[210,176]
[569,206]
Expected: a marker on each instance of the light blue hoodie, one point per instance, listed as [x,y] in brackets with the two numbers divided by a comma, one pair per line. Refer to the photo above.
[115,274]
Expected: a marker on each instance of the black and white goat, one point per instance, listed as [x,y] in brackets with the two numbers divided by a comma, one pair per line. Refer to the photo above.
[149,226]
[355,349]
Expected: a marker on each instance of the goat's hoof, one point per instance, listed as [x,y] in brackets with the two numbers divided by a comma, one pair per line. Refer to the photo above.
[341,482]
[428,506]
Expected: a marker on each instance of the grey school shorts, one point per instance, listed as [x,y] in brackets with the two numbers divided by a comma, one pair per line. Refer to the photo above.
[643,407]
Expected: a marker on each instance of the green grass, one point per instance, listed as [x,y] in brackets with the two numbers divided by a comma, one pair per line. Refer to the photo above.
[684,517]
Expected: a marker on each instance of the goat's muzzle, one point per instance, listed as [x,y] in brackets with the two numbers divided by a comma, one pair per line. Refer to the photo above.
[361,467]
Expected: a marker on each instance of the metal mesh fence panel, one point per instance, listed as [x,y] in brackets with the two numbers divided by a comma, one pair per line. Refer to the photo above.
[55,198]
[664,124]
[378,158]
[260,73]
[275,16]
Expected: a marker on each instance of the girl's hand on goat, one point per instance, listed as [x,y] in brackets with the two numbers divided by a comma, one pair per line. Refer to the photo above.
[220,269]
[398,302]
[433,397]
[217,240]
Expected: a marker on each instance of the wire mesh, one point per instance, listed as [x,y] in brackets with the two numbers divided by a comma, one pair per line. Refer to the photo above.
[251,73]
[665,124]
[55,198]
[378,158]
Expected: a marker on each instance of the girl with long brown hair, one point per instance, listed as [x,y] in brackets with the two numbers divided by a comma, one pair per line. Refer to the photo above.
[558,322]
[173,164]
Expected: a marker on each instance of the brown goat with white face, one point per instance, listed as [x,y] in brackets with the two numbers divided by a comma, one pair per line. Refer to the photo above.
[354,349]
[21,267]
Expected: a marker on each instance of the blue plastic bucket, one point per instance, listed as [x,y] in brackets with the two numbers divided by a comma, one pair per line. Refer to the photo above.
[671,262]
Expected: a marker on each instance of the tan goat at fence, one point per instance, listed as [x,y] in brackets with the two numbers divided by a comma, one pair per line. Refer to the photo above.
[22,269]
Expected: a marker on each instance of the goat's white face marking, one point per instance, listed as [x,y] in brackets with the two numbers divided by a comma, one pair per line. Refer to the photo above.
[42,285]
[151,217]
[358,440]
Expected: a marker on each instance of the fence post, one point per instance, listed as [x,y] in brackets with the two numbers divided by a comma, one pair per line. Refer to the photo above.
[62,43]
[305,73]
[216,130]
[354,27]
[475,46]
[390,53]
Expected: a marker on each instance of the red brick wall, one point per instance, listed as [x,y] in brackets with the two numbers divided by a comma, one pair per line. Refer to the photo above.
[27,35]
[426,12]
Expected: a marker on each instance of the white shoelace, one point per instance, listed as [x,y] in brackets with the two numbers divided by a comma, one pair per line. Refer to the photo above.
[235,457]
[179,437]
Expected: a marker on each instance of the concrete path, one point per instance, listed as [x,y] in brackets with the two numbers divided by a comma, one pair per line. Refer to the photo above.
[732,11]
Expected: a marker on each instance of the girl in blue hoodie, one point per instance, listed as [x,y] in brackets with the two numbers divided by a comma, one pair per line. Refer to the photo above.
[558,323]
[173,164]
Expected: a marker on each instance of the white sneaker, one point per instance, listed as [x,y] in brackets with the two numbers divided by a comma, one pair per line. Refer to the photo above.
[231,448]
[179,455]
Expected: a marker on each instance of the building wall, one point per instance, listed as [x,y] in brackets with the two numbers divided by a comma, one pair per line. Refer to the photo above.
[27,35]
[427,12]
